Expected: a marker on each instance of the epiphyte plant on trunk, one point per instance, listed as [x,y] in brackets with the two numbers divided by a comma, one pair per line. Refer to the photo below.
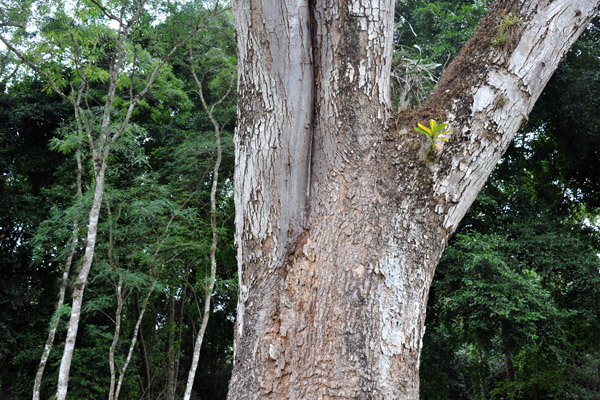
[507,29]
[434,132]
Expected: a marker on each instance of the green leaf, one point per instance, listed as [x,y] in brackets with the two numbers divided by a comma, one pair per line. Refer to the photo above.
[423,127]
[422,131]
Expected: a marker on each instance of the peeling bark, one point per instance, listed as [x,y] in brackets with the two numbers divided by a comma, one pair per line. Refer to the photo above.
[342,213]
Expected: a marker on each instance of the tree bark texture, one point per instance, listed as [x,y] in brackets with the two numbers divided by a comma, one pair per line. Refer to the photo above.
[342,210]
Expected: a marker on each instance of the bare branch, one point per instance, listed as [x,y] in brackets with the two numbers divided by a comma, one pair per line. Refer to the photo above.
[175,48]
[132,75]
[136,15]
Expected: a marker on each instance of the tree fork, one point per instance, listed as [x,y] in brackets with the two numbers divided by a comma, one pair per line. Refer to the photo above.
[340,219]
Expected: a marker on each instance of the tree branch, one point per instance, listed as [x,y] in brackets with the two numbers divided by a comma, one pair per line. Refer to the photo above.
[22,57]
[107,13]
[486,95]
[160,64]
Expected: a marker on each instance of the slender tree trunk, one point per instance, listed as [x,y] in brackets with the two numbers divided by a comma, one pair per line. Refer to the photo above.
[63,287]
[198,343]
[510,370]
[65,365]
[100,150]
[213,246]
[113,345]
[145,381]
[171,381]
[180,314]
[482,375]
[138,324]
[534,392]
[342,213]
[55,321]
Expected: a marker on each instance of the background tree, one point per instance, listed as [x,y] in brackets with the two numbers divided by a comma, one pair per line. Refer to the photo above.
[29,118]
[130,171]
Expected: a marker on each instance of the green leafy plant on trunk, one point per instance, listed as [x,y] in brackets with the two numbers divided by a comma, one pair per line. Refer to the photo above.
[507,30]
[434,132]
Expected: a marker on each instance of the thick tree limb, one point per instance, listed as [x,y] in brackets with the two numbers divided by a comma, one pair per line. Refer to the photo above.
[488,92]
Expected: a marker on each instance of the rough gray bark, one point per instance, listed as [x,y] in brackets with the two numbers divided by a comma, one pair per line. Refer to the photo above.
[342,212]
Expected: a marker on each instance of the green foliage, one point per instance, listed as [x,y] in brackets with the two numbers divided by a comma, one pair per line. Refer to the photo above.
[434,132]
[440,28]
[569,131]
[518,291]
[508,20]
[154,225]
[500,38]
[428,35]
[27,119]
[519,283]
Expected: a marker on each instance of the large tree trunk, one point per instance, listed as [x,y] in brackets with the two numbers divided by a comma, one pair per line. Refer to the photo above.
[343,211]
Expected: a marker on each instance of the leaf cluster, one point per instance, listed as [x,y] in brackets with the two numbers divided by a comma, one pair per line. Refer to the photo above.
[433,132]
